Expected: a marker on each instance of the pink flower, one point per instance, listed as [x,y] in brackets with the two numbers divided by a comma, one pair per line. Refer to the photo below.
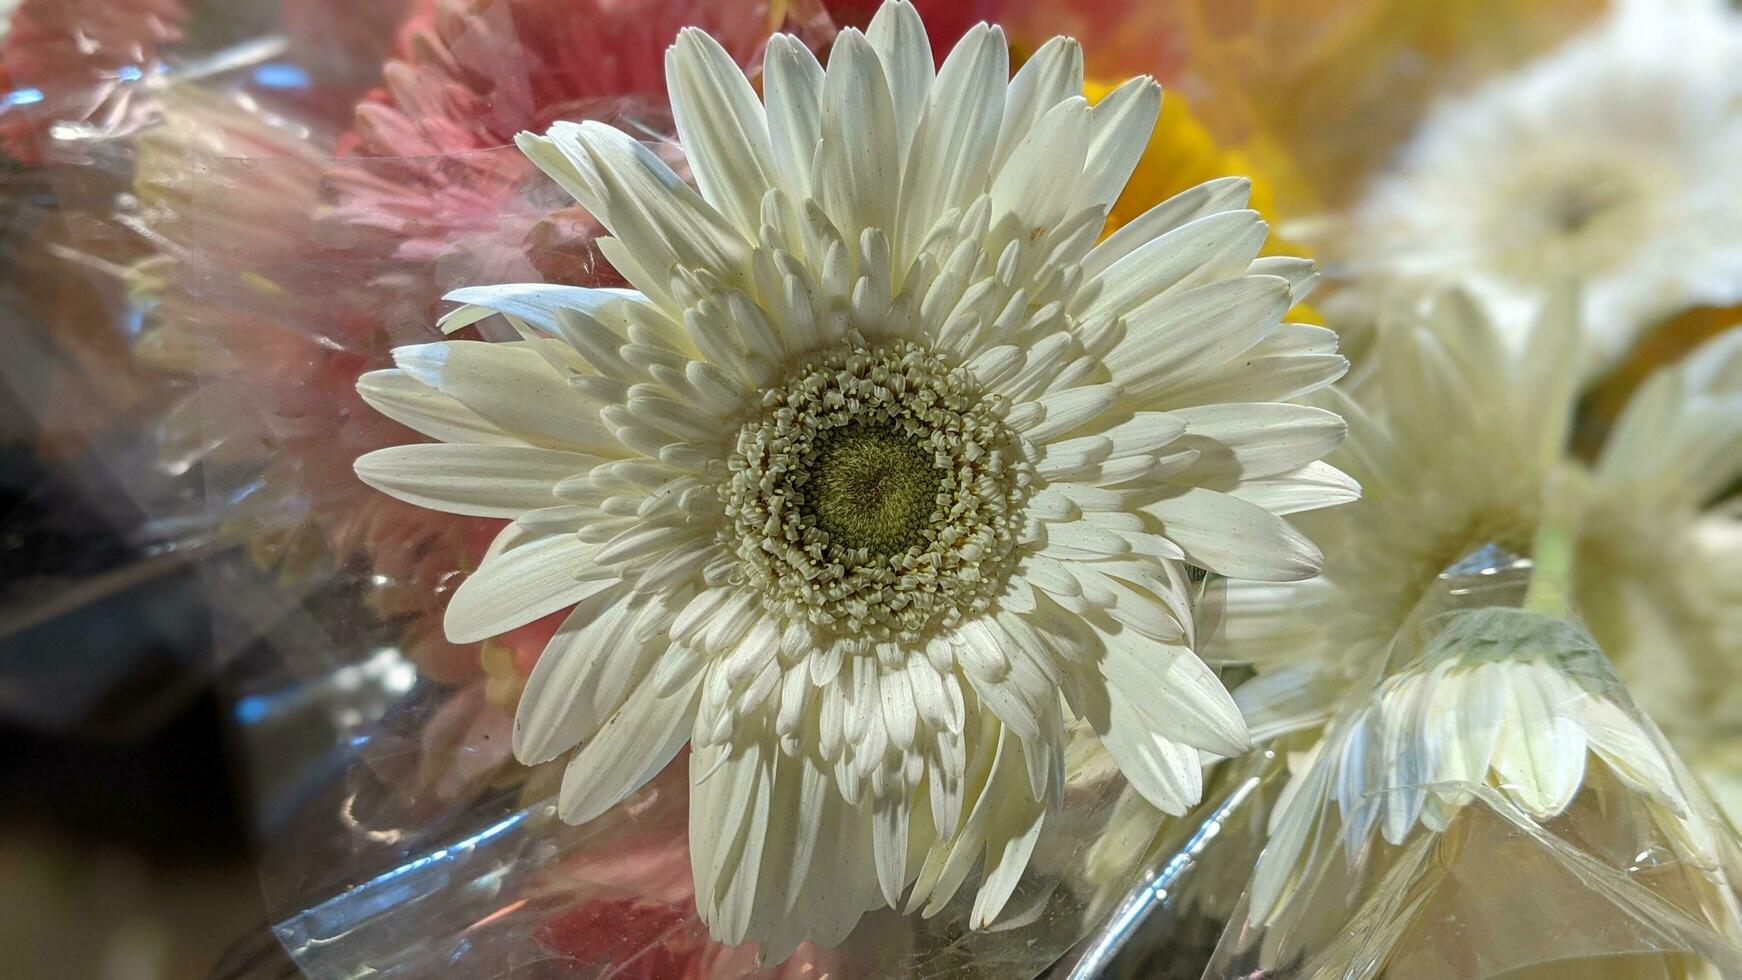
[434,175]
[75,60]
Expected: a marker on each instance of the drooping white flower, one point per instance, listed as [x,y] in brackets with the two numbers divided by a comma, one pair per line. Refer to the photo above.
[1613,162]
[1461,442]
[1453,438]
[1506,707]
[883,462]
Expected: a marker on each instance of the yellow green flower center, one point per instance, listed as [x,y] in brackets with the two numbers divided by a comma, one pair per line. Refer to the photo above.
[872,487]
[877,493]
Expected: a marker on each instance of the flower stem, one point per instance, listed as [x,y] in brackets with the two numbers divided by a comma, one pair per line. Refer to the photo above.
[1551,550]
[1550,588]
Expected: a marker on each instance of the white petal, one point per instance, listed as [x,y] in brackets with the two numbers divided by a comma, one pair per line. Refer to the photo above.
[1177,334]
[1036,182]
[581,677]
[1010,840]
[576,314]
[1234,538]
[722,127]
[478,481]
[730,795]
[1624,744]
[1166,774]
[517,586]
[898,36]
[889,819]
[1476,704]
[1301,274]
[1540,755]
[950,161]
[793,82]
[1291,824]
[1054,74]
[1147,434]
[1294,360]
[512,388]
[424,409]
[661,221]
[1244,441]
[1216,246]
[1211,197]
[1173,692]
[1064,410]
[1407,768]
[638,740]
[1311,487]
[1121,124]
[857,174]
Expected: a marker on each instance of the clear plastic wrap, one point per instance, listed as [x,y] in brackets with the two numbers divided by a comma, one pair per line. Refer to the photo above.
[1496,806]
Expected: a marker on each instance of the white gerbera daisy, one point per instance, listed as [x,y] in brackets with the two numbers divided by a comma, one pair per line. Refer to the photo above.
[1454,441]
[883,456]
[1614,162]
[1505,706]
[1461,443]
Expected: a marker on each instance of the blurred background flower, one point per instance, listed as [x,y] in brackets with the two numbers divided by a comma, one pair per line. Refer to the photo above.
[1612,162]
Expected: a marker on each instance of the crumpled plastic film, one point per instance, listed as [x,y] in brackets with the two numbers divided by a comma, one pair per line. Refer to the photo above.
[1496,805]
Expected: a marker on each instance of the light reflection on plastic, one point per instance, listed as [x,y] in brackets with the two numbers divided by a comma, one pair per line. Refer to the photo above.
[386,673]
[1154,893]
[252,710]
[279,74]
[387,890]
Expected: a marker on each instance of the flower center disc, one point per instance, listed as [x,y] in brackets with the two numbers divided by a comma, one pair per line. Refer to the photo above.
[878,492]
[873,488]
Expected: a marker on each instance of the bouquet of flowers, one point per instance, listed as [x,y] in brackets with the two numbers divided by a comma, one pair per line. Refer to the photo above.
[795,488]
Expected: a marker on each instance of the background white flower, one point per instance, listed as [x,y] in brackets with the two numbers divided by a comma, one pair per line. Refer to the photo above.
[1453,438]
[882,463]
[1615,162]
[1461,442]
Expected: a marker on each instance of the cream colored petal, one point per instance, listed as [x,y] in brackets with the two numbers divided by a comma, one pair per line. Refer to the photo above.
[722,126]
[1052,75]
[898,36]
[516,586]
[1120,127]
[478,481]
[857,175]
[583,675]
[793,82]
[423,409]
[1210,197]
[949,163]
[1252,440]
[1235,538]
[1178,335]
[514,389]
